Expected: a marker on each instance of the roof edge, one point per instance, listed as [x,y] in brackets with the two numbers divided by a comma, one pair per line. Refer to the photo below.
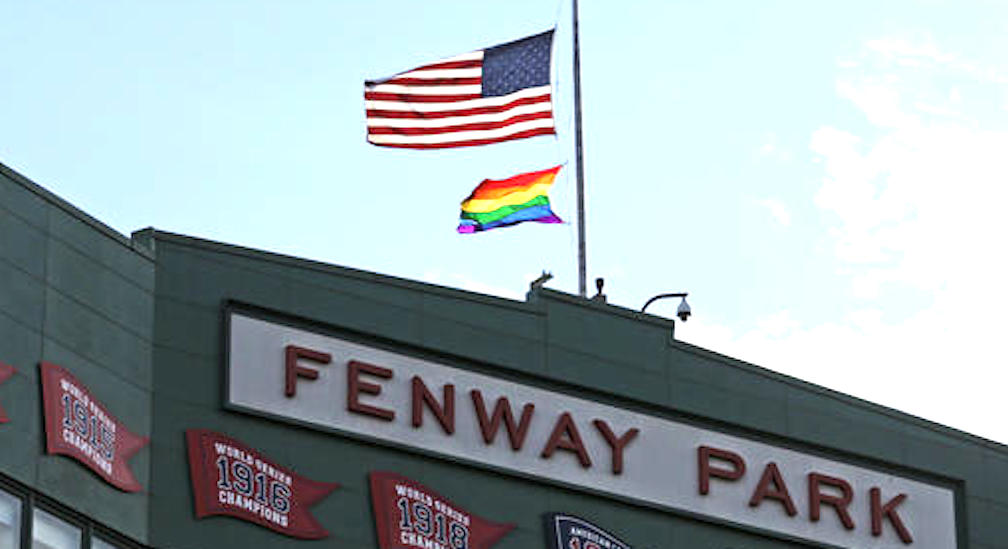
[845,398]
[539,292]
[149,237]
[75,212]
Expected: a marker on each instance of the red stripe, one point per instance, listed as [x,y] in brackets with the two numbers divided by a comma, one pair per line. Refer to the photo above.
[412,98]
[472,64]
[521,181]
[378,130]
[380,113]
[435,81]
[471,142]
[468,64]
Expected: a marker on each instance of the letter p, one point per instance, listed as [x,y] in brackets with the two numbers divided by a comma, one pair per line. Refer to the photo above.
[707,470]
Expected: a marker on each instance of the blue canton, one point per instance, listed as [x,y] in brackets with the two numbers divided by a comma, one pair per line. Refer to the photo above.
[517,65]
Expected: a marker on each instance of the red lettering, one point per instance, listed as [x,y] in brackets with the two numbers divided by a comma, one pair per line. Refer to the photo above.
[292,371]
[772,476]
[566,437]
[617,444]
[839,503]
[445,413]
[355,386]
[879,511]
[706,471]
[502,411]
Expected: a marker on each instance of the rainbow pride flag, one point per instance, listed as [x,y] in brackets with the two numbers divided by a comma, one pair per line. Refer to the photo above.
[502,202]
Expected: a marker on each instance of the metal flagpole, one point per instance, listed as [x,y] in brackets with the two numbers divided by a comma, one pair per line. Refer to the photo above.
[582,277]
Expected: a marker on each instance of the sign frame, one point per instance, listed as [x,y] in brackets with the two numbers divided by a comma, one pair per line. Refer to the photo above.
[563,387]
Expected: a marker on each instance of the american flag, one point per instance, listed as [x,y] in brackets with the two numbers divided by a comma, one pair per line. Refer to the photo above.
[486,96]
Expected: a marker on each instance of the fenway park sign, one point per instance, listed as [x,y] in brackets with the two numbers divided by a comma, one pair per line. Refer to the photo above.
[345,387]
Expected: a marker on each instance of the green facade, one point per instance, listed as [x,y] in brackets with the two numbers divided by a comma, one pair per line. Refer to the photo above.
[74,293]
[140,321]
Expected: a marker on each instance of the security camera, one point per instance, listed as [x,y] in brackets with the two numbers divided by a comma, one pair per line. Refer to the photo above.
[683,312]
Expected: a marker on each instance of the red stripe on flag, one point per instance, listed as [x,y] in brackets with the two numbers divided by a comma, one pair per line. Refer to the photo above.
[413,98]
[383,130]
[380,113]
[465,64]
[470,64]
[435,81]
[519,181]
[471,142]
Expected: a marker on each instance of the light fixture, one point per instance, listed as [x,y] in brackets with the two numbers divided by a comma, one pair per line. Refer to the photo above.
[683,312]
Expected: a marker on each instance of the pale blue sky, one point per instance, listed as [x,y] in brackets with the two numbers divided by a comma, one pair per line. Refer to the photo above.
[826,179]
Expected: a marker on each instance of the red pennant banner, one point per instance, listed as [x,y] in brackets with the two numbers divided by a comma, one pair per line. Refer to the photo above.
[79,426]
[408,515]
[5,373]
[229,478]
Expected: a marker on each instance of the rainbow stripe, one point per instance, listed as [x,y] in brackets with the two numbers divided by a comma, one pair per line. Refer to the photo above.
[502,202]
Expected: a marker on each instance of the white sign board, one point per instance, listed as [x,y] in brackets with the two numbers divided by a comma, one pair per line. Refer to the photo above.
[339,385]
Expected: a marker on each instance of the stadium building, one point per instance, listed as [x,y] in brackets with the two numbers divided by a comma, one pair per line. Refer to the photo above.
[167,391]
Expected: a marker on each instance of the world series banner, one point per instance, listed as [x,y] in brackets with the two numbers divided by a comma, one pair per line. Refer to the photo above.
[570,532]
[408,515]
[5,373]
[229,478]
[79,426]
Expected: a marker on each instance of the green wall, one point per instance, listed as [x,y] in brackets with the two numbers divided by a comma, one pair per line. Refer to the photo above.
[194,279]
[140,322]
[75,293]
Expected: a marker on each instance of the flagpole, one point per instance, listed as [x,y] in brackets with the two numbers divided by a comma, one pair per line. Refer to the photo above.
[582,277]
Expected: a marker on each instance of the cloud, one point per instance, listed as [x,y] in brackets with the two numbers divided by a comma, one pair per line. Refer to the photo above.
[919,366]
[915,207]
[925,54]
[909,53]
[936,110]
[880,102]
[778,210]
[772,149]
